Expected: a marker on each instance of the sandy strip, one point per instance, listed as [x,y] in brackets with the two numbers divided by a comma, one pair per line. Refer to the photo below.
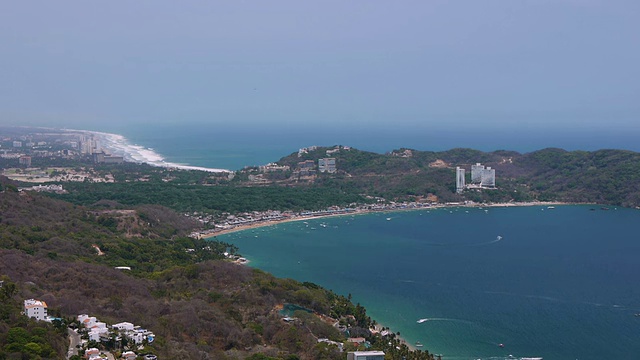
[265,223]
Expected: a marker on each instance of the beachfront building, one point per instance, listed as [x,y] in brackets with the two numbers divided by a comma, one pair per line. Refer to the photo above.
[36,309]
[103,158]
[327,165]
[476,173]
[488,178]
[365,355]
[460,180]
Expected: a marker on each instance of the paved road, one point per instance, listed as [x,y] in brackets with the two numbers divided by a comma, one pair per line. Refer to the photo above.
[74,339]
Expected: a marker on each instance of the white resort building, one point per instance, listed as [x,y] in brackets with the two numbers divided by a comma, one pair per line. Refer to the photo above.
[481,178]
[460,180]
[36,309]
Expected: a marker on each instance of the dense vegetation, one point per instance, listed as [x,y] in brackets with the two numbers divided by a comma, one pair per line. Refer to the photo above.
[604,176]
[24,338]
[231,199]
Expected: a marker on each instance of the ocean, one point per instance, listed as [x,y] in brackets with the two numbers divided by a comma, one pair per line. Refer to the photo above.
[554,283]
[233,147]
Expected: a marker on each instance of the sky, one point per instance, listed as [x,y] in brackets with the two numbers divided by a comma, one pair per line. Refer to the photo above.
[513,65]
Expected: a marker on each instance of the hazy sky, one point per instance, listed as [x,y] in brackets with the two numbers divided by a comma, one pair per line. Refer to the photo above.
[509,64]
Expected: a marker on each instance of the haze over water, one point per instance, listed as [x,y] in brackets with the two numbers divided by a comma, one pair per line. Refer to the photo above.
[557,283]
[234,146]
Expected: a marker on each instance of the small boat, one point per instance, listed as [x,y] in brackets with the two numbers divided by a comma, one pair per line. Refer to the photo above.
[419,344]
[388,219]
[499,237]
[551,207]
[422,320]
[501,345]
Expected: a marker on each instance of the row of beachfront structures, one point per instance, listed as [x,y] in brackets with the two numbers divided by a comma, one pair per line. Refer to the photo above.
[258,217]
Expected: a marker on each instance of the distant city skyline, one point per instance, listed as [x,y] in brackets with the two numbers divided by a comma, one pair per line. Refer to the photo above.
[511,67]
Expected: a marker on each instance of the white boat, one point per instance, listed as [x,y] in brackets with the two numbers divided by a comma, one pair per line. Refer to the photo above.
[419,344]
[388,219]
[422,320]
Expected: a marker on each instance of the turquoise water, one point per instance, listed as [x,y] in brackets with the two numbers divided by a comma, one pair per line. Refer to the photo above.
[557,283]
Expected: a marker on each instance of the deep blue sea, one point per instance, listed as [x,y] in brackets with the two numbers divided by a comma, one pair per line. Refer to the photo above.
[555,283]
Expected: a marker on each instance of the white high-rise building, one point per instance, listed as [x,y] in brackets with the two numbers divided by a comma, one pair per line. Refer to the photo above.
[488,178]
[460,180]
[476,173]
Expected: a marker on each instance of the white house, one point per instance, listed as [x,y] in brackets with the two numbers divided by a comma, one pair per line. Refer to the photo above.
[129,355]
[365,355]
[36,309]
[123,326]
[94,335]
[87,321]
[92,353]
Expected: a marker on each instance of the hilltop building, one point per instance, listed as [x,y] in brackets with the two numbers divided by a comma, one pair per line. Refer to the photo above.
[273,167]
[460,180]
[36,309]
[306,168]
[327,165]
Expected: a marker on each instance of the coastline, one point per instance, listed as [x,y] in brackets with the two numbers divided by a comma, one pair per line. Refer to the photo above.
[119,145]
[271,222]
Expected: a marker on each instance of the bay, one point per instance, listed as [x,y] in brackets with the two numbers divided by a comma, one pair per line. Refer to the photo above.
[556,283]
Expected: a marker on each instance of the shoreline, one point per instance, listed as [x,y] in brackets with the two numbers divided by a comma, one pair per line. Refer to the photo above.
[378,327]
[273,222]
[119,145]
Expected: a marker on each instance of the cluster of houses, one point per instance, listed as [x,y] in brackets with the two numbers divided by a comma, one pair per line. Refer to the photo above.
[99,331]
[58,189]
[95,330]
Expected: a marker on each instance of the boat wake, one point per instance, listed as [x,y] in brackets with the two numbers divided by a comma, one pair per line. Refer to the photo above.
[497,239]
[420,321]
